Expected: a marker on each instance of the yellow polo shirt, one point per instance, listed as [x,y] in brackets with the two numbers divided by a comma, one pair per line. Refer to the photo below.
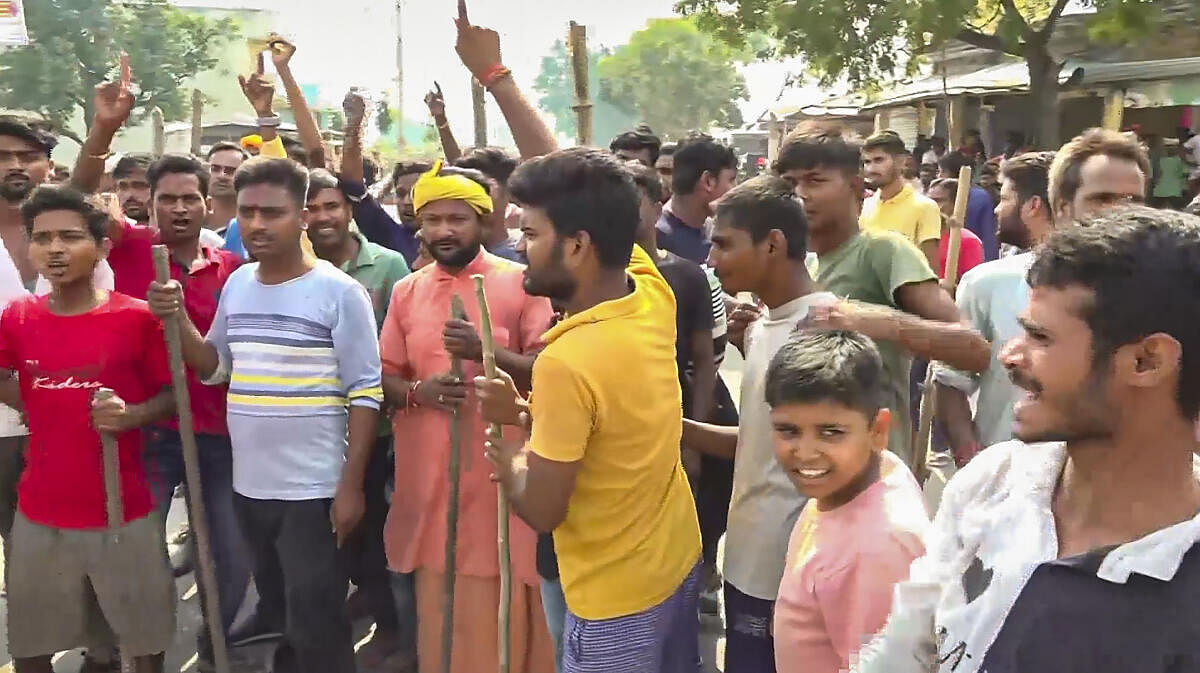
[606,394]
[912,215]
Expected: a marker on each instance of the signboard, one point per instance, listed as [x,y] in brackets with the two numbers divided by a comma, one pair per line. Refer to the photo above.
[12,24]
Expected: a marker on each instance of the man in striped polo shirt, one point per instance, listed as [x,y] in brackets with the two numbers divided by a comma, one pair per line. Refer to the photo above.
[295,339]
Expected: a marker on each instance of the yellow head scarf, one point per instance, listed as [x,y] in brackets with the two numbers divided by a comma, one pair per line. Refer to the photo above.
[434,187]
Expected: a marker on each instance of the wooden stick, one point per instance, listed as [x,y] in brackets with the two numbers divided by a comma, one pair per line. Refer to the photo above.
[928,398]
[457,312]
[111,459]
[197,121]
[478,100]
[489,370]
[160,134]
[577,43]
[210,598]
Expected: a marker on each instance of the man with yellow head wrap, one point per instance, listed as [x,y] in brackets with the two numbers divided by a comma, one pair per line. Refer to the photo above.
[416,348]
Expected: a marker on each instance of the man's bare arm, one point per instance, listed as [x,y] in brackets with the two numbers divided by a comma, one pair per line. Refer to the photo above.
[306,126]
[713,440]
[112,102]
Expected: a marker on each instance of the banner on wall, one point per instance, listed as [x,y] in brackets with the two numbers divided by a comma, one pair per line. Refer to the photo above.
[12,24]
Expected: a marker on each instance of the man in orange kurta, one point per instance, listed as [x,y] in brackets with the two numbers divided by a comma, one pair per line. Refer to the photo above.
[417,344]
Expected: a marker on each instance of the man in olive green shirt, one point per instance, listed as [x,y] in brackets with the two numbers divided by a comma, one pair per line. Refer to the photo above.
[894,296]
[329,217]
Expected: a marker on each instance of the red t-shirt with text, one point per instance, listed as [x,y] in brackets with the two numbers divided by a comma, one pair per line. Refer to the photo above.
[61,362]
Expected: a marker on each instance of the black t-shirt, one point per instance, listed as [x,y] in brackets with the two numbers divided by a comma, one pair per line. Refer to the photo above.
[693,312]
[1068,620]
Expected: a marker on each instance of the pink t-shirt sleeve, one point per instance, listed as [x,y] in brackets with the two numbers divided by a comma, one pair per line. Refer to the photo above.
[855,599]
[535,320]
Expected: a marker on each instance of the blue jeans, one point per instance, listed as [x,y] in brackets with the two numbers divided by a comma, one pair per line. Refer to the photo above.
[554,605]
[231,555]
[405,595]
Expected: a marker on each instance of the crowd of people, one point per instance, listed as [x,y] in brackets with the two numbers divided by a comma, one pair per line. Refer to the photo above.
[347,433]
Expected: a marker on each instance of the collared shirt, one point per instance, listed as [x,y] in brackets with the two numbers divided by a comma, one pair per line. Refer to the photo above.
[411,347]
[991,296]
[202,285]
[908,213]
[992,595]
[132,261]
[378,270]
[606,395]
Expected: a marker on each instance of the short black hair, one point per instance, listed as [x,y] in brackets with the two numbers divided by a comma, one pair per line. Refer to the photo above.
[953,162]
[888,141]
[949,183]
[478,177]
[227,146]
[696,155]
[271,171]
[763,203]
[318,179]
[647,179]
[169,164]
[16,127]
[131,162]
[1143,268]
[827,366]
[48,198]
[494,162]
[584,189]
[668,149]
[403,168]
[295,150]
[814,145]
[640,138]
[1030,174]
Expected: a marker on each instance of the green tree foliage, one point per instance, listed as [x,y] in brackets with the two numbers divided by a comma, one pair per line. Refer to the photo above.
[555,85]
[76,44]
[867,42]
[676,78]
[384,119]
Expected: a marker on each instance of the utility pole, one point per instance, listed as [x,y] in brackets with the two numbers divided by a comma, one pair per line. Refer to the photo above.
[400,73]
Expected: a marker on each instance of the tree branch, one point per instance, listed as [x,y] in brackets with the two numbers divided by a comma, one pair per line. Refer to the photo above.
[1010,6]
[991,42]
[1052,20]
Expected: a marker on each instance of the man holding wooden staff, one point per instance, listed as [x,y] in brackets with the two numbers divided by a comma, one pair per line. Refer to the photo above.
[71,581]
[602,468]
[417,345]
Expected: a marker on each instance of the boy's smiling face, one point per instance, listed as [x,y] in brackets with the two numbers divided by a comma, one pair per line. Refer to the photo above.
[828,450]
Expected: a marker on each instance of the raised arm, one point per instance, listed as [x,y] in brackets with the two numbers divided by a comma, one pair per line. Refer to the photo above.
[112,103]
[306,126]
[479,49]
[355,109]
[437,108]
[260,93]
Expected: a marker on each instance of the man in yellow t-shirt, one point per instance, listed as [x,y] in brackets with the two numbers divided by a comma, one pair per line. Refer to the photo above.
[895,205]
[602,468]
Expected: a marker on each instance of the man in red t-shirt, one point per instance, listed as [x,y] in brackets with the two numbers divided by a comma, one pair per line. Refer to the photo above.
[944,191]
[71,583]
[178,194]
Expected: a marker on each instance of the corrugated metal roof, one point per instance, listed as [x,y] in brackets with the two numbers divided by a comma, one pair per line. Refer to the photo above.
[1013,77]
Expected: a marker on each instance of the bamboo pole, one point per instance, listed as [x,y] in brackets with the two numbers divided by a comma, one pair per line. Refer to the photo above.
[477,102]
[210,599]
[489,370]
[1114,109]
[110,458]
[197,121]
[457,312]
[928,398]
[577,42]
[160,134]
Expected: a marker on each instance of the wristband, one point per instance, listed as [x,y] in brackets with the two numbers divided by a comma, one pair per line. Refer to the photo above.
[270,122]
[101,157]
[493,75]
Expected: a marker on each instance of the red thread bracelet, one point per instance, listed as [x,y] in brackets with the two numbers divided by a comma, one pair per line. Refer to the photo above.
[494,74]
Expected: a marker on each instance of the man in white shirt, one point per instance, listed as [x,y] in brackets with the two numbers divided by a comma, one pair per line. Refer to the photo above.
[1074,547]
[990,296]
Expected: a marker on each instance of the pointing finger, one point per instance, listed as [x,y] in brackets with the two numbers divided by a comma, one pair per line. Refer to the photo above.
[462,12]
[260,67]
[438,87]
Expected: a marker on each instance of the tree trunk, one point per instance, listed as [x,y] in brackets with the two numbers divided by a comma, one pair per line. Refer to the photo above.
[1043,93]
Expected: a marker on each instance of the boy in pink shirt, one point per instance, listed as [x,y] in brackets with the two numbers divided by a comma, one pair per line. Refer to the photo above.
[863,523]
